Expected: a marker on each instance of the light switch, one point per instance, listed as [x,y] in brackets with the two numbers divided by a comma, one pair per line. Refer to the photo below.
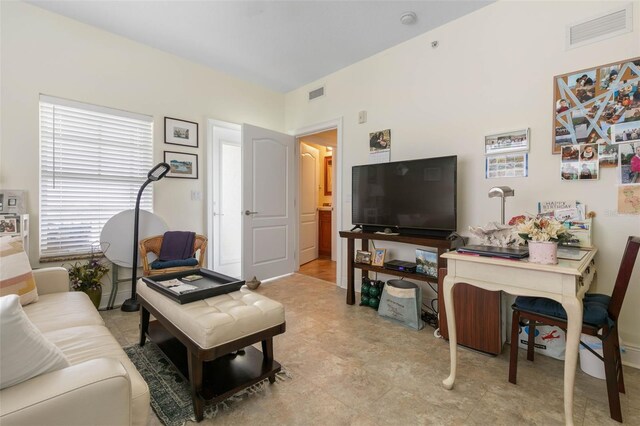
[362,117]
[196,195]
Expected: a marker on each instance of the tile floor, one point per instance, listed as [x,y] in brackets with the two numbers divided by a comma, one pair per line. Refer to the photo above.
[321,268]
[351,367]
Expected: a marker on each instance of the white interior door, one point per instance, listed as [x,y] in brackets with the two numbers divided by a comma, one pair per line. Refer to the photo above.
[268,228]
[226,246]
[309,165]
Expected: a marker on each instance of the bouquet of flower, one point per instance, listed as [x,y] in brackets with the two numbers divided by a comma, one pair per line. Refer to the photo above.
[540,229]
[85,276]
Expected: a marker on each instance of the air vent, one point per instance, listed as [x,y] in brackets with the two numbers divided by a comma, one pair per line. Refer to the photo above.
[610,24]
[317,93]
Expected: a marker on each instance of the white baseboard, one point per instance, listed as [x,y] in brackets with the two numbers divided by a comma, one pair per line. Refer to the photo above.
[631,355]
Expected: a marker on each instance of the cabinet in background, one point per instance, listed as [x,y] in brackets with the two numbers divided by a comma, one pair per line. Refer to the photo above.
[324,233]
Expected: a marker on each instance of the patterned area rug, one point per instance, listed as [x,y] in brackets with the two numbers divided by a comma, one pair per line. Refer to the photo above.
[170,391]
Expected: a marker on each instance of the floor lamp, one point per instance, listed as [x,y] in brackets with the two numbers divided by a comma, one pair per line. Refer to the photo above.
[155,174]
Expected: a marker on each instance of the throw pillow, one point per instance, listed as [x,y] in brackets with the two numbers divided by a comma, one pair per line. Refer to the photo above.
[16,276]
[25,352]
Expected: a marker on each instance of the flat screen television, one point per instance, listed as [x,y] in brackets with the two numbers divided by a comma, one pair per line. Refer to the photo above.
[410,197]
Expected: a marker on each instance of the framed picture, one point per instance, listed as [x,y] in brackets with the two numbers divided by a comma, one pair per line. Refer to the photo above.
[180,132]
[12,201]
[507,142]
[597,105]
[427,262]
[8,225]
[328,175]
[378,257]
[363,257]
[184,166]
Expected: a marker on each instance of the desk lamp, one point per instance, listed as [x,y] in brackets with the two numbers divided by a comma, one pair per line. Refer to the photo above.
[502,192]
[155,174]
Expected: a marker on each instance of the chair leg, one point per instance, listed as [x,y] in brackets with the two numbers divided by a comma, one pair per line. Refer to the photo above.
[531,343]
[609,349]
[513,358]
[619,375]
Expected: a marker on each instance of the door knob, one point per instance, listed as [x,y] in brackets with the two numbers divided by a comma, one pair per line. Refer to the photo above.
[218,214]
[249,213]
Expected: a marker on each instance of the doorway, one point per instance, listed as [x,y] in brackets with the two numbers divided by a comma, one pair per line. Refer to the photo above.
[317,223]
[225,190]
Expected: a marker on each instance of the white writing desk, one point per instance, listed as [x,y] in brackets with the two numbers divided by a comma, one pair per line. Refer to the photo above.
[566,282]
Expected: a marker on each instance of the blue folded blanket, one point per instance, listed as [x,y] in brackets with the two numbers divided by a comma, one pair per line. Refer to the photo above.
[177,245]
[159,264]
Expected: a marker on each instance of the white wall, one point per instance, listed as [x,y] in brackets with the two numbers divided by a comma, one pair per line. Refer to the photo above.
[50,54]
[492,72]
[46,53]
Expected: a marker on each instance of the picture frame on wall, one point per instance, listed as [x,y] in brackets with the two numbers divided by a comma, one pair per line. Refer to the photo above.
[180,132]
[596,105]
[517,140]
[181,165]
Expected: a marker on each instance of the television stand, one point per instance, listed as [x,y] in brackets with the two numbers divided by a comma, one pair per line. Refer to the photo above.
[478,312]
[442,244]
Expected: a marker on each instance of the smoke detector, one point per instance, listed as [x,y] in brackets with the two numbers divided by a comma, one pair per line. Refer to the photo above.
[408,18]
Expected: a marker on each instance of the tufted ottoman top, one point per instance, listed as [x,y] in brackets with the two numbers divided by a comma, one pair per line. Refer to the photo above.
[217,320]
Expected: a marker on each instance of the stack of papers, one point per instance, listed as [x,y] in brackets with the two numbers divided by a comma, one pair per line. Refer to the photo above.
[177,286]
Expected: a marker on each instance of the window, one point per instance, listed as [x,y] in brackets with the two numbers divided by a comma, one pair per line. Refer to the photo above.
[92,163]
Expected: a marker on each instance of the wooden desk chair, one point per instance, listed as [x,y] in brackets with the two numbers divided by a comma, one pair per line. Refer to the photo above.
[153,244]
[600,313]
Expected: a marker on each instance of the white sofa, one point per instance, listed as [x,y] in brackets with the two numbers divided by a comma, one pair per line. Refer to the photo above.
[100,387]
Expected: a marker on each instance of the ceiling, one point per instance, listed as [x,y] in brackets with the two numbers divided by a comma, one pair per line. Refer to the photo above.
[280,45]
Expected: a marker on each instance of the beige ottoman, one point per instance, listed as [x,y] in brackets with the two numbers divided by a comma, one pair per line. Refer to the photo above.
[209,331]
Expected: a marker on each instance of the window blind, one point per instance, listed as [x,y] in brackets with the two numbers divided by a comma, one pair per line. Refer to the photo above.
[93,161]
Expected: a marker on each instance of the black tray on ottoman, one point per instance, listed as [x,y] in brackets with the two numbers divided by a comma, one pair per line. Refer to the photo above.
[211,284]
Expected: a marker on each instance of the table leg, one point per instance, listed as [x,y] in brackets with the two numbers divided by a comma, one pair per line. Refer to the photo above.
[448,285]
[144,324]
[195,379]
[267,352]
[573,306]
[351,291]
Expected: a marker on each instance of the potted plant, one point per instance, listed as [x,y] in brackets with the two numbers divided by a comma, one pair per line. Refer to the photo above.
[86,277]
[542,235]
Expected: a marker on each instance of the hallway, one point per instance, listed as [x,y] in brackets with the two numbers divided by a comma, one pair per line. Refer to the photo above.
[322,268]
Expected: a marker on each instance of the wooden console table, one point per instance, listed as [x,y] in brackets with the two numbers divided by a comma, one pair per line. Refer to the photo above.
[441,244]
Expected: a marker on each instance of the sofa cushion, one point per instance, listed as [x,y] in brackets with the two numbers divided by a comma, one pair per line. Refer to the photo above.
[16,276]
[58,311]
[83,343]
[25,352]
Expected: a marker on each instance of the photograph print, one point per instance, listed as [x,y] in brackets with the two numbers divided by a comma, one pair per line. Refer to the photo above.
[182,165]
[380,141]
[629,162]
[427,262]
[626,132]
[607,155]
[363,257]
[180,132]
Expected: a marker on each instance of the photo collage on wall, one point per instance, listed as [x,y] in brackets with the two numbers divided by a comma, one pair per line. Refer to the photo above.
[598,107]
[506,154]
[597,125]
[580,162]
